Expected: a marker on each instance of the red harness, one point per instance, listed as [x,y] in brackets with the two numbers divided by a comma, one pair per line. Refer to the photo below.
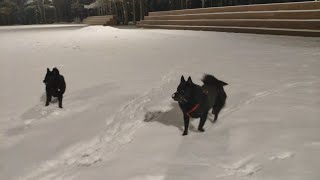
[192,110]
[196,106]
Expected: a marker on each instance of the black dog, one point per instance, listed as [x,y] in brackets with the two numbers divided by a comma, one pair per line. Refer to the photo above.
[55,85]
[195,101]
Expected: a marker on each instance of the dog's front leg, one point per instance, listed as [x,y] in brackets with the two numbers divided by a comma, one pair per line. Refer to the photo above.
[48,99]
[186,124]
[203,119]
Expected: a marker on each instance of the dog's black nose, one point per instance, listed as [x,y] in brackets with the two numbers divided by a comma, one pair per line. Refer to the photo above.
[174,96]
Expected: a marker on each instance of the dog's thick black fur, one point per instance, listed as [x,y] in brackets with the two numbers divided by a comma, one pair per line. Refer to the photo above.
[55,85]
[195,101]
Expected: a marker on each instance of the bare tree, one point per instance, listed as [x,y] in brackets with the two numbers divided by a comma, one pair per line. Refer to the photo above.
[141,10]
[134,11]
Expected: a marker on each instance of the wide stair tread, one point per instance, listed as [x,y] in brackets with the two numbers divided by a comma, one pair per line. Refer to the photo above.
[100,20]
[257,7]
[300,19]
[283,14]
[268,23]
[236,29]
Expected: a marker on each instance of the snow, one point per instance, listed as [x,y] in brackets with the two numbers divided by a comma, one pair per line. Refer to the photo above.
[119,121]
[283,155]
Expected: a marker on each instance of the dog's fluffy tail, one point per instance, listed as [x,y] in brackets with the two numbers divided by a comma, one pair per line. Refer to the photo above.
[211,80]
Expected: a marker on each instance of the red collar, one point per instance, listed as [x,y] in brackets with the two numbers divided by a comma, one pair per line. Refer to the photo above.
[192,110]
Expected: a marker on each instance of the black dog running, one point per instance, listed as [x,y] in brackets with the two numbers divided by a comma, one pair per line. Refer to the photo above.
[195,101]
[55,85]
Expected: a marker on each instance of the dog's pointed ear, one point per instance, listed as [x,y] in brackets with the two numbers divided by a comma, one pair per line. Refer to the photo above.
[182,79]
[222,83]
[189,80]
[48,70]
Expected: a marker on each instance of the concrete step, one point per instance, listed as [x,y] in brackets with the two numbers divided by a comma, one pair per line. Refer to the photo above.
[255,30]
[107,16]
[291,14]
[95,23]
[96,20]
[261,7]
[100,20]
[266,23]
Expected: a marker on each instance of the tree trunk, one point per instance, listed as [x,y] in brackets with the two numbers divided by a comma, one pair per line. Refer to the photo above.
[146,8]
[141,11]
[115,10]
[134,11]
[125,12]
[110,7]
[36,17]
[39,9]
[55,15]
[43,11]
[57,11]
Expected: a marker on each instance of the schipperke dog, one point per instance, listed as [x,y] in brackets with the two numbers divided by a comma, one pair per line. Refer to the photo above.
[55,85]
[195,101]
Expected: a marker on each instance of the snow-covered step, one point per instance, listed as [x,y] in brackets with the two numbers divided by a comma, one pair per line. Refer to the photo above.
[259,7]
[255,30]
[100,20]
[266,23]
[283,14]
[299,19]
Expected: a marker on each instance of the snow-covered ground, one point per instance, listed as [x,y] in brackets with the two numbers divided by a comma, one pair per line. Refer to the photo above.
[119,122]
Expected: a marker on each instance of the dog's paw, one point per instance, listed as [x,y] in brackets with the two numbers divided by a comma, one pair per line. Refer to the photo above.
[185,133]
[214,120]
[201,129]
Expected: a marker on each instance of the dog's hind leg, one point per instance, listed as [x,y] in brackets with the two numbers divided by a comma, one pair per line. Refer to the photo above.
[203,119]
[221,100]
[186,124]
[216,110]
[60,101]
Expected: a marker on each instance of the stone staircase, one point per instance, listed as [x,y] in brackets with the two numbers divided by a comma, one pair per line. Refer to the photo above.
[109,20]
[298,19]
